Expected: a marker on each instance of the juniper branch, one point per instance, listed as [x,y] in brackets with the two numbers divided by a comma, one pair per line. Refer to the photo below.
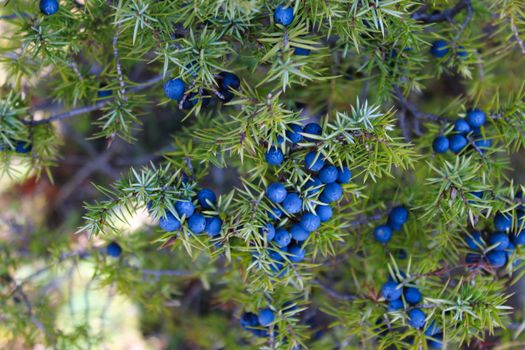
[445,15]
[117,63]
[86,109]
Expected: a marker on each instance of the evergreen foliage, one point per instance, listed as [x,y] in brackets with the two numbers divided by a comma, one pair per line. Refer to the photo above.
[370,143]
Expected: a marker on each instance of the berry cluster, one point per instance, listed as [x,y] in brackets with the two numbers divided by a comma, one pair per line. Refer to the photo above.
[470,125]
[440,48]
[295,135]
[48,7]
[397,217]
[401,297]
[324,186]
[187,212]
[258,324]
[497,248]
[175,89]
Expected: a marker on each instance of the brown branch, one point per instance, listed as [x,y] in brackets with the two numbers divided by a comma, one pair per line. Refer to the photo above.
[406,104]
[86,109]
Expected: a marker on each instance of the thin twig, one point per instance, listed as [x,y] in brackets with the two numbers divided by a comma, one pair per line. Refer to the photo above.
[158,273]
[517,34]
[74,65]
[18,290]
[415,111]
[87,109]
[476,147]
[119,67]
[467,20]
[97,163]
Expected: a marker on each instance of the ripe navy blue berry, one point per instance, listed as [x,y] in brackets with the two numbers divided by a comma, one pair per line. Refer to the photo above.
[169,222]
[299,51]
[275,213]
[519,238]
[325,212]
[499,240]
[229,81]
[395,305]
[184,208]
[197,223]
[249,320]
[314,161]
[283,15]
[440,144]
[383,233]
[483,143]
[478,194]
[276,192]
[436,341]
[206,198]
[398,215]
[394,225]
[213,226]
[299,233]
[344,175]
[48,7]
[389,291]
[310,222]
[461,126]
[472,258]
[23,147]
[313,186]
[274,156]
[439,48]
[462,52]
[282,238]
[476,118]
[328,174]
[416,318]
[269,231]
[502,221]
[266,317]
[174,89]
[292,204]
[276,254]
[102,93]
[412,295]
[432,329]
[332,192]
[312,129]
[457,143]
[113,249]
[192,99]
[475,241]
[296,253]
[225,95]
[294,133]
[497,258]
